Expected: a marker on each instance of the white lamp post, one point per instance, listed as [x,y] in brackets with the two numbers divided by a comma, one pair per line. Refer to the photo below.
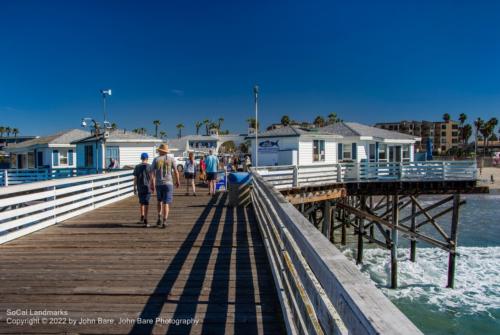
[105,93]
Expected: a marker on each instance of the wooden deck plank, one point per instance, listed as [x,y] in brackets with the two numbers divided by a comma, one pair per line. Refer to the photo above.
[208,264]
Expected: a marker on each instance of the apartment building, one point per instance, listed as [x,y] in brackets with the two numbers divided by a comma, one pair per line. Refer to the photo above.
[444,135]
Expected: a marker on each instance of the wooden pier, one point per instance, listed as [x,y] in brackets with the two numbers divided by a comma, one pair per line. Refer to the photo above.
[209,265]
[74,245]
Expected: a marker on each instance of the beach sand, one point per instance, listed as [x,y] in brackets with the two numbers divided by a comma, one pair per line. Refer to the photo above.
[485,179]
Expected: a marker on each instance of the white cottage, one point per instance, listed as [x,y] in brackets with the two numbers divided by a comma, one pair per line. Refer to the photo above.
[122,146]
[295,146]
[362,143]
[337,143]
[55,151]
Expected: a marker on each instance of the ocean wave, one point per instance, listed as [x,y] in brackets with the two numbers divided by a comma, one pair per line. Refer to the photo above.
[477,279]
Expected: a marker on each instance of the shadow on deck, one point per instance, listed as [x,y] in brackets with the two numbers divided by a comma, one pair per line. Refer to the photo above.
[209,267]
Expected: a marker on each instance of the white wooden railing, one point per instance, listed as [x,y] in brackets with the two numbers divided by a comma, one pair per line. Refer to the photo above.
[29,207]
[320,290]
[21,176]
[287,176]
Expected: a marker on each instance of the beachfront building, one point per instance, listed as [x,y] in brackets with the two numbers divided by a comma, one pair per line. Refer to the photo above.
[292,145]
[123,147]
[444,135]
[341,142]
[55,151]
[202,143]
[362,143]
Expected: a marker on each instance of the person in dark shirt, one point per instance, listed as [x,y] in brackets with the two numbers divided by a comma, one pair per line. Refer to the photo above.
[143,186]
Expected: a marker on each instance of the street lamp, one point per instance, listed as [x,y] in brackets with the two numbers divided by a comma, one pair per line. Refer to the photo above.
[256,96]
[105,93]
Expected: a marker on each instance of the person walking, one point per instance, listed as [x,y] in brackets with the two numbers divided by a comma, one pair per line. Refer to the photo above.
[163,167]
[190,173]
[212,163]
[203,169]
[143,186]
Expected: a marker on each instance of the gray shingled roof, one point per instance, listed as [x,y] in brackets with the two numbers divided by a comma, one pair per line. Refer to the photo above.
[347,129]
[63,137]
[291,131]
[121,135]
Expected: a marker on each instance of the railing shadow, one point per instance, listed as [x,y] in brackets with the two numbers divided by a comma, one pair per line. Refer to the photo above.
[188,301]
[157,300]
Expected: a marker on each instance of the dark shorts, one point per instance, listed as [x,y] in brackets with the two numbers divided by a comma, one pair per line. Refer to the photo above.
[144,198]
[189,175]
[211,175]
[165,193]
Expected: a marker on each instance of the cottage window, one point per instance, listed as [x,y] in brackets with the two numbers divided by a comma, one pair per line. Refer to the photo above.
[406,153]
[89,156]
[347,152]
[318,151]
[372,152]
[63,157]
[382,153]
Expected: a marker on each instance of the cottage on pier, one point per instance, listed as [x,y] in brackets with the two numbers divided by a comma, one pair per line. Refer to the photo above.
[336,143]
[121,146]
[54,151]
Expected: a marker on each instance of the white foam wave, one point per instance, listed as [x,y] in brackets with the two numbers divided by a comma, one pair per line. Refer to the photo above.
[477,280]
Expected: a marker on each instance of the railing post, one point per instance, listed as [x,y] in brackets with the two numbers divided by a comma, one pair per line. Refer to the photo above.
[339,173]
[295,182]
[443,164]
[54,207]
[5,177]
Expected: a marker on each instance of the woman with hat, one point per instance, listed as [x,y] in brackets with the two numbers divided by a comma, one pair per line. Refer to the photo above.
[163,168]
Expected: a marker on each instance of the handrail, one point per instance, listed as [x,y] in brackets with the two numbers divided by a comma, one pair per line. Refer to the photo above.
[320,290]
[26,208]
[10,177]
[292,176]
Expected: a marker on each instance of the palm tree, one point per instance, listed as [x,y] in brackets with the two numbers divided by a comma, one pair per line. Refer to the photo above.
[15,131]
[163,134]
[179,128]
[332,118]
[462,118]
[466,133]
[446,117]
[252,123]
[114,126]
[8,130]
[206,122]
[319,121]
[220,121]
[490,130]
[157,124]
[2,130]
[285,120]
[198,125]
[486,131]
[478,123]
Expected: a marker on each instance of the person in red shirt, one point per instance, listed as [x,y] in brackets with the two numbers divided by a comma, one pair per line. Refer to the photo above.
[203,169]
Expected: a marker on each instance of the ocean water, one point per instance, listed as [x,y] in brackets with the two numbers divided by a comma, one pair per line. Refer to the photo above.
[473,306]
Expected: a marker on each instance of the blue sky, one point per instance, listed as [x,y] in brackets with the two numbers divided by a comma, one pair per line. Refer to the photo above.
[182,61]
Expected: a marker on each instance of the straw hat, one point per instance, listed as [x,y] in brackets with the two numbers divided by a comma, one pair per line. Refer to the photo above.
[163,148]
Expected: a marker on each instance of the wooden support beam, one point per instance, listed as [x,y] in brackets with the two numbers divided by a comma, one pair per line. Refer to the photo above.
[413,242]
[316,196]
[325,227]
[332,224]
[394,246]
[454,235]
[402,229]
[432,221]
[361,231]
[438,215]
[426,209]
